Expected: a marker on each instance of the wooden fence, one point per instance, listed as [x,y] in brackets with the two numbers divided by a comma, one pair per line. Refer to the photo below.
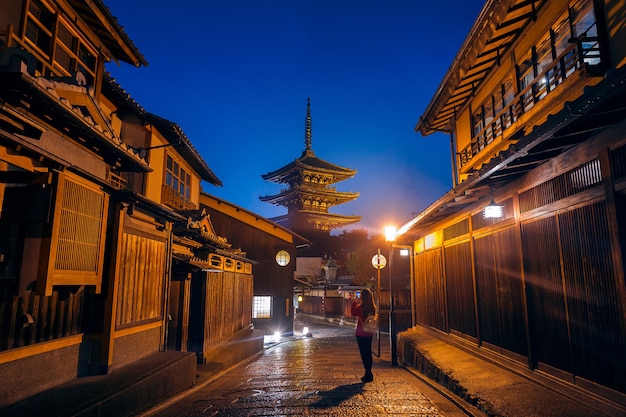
[31,318]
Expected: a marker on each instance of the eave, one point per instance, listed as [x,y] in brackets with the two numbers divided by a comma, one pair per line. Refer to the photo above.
[600,107]
[496,28]
[177,138]
[309,162]
[42,105]
[101,24]
[335,197]
[252,219]
[337,219]
[158,210]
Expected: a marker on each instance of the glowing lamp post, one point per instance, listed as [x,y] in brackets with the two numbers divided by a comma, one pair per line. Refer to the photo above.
[379,263]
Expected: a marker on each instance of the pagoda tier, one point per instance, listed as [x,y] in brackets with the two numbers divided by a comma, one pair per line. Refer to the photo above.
[317,199]
[309,169]
[310,220]
[310,195]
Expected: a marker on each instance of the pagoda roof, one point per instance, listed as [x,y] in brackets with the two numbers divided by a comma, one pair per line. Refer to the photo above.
[309,162]
[334,220]
[329,194]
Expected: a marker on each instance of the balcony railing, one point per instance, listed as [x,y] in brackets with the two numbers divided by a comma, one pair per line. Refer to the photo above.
[117,181]
[171,197]
[574,57]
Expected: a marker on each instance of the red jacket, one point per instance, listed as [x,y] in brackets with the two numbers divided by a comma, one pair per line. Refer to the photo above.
[357,311]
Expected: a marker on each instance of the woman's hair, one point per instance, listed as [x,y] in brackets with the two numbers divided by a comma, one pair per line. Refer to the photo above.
[367,299]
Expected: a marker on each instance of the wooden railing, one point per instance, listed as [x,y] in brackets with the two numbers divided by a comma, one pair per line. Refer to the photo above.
[571,59]
[174,199]
[29,318]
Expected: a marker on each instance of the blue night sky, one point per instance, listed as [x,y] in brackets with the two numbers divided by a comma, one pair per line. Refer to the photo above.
[235,75]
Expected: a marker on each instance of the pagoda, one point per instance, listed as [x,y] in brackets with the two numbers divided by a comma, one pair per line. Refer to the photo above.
[310,194]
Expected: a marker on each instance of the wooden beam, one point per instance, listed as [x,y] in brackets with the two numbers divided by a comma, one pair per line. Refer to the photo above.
[25,177]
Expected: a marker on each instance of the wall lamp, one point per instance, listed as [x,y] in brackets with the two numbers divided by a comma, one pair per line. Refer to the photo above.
[493,210]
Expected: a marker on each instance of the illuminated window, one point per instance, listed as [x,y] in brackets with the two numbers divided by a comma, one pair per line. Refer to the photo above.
[283,258]
[262,307]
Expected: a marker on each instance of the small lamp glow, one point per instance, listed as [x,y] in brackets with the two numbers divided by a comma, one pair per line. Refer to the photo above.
[300,298]
[493,211]
[390,234]
[305,330]
[277,336]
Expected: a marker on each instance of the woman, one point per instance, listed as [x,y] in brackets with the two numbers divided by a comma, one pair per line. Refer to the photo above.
[361,308]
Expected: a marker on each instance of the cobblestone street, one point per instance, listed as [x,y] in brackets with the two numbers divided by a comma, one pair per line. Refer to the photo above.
[317,375]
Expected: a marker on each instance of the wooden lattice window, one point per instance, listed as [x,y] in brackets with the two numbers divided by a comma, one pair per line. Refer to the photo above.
[78,234]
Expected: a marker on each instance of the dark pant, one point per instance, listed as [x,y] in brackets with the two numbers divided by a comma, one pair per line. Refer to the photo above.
[365,348]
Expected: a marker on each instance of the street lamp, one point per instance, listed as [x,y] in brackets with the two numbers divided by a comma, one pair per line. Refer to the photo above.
[390,237]
[379,263]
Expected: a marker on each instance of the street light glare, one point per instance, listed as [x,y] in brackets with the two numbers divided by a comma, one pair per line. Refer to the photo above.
[390,234]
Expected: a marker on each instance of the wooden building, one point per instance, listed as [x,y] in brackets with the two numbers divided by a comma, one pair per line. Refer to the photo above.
[274,250]
[309,193]
[535,108]
[100,229]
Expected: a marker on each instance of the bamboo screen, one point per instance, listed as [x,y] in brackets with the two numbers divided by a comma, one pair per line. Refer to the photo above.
[141,280]
[80,232]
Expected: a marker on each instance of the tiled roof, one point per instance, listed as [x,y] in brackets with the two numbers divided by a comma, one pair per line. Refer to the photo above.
[309,162]
[109,31]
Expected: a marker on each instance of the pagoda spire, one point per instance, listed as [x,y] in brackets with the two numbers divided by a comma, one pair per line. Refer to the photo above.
[307,127]
[309,193]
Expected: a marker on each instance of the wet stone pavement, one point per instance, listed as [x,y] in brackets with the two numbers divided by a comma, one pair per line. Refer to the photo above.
[318,375]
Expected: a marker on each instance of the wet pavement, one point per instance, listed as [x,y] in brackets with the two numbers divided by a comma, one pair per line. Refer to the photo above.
[317,375]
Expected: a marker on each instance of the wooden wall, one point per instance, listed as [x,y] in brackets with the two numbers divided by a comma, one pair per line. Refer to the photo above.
[261,241]
[221,306]
[545,284]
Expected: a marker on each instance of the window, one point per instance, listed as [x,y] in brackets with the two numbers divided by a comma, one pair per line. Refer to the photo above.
[78,234]
[477,121]
[262,307]
[283,258]
[571,41]
[177,178]
[561,34]
[58,45]
[525,77]
[40,26]
[584,28]
[73,56]
[545,69]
